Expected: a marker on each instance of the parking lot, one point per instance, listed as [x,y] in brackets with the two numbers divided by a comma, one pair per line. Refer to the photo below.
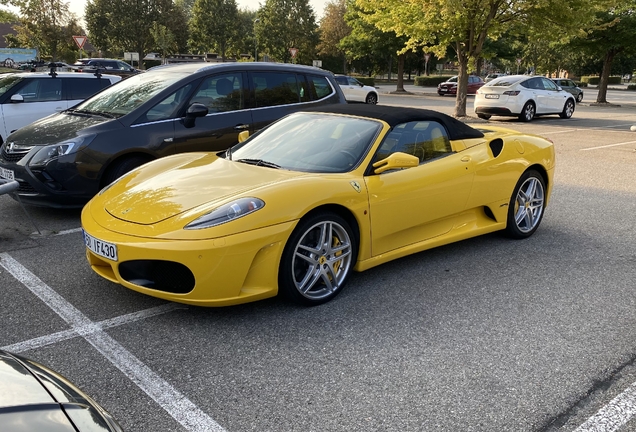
[488,334]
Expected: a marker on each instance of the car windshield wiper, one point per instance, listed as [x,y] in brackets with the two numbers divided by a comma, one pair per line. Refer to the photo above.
[96,113]
[259,162]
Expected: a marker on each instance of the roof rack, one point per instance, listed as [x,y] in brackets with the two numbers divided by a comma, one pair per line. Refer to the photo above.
[98,72]
[53,68]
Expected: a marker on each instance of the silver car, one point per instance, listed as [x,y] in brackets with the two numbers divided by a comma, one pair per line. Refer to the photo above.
[570,86]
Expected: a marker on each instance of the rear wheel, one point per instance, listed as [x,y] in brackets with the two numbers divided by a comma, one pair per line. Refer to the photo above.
[121,167]
[528,112]
[317,259]
[568,109]
[483,116]
[372,99]
[579,97]
[526,206]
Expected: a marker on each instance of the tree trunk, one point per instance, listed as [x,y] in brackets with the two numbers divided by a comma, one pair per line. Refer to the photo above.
[602,85]
[400,74]
[390,67]
[344,64]
[462,84]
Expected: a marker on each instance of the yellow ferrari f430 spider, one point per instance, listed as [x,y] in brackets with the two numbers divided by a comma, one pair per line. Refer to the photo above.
[299,205]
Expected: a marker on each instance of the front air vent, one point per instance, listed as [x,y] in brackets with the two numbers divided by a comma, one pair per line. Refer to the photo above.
[496,146]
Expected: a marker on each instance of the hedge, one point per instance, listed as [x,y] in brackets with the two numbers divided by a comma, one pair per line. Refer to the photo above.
[430,81]
[631,87]
[594,80]
[370,81]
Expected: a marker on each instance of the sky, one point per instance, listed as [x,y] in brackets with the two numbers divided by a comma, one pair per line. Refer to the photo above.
[77,6]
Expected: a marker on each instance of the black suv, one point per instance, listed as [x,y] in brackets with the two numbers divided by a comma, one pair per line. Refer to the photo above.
[65,159]
[110,66]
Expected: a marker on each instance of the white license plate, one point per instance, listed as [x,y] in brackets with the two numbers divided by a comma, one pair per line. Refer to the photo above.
[6,174]
[442,90]
[492,96]
[99,247]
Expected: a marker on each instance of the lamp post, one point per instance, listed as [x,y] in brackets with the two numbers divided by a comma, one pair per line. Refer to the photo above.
[256,40]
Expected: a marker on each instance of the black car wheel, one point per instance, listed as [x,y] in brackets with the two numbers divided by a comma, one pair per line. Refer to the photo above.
[372,99]
[568,109]
[483,116]
[579,97]
[528,112]
[526,206]
[317,259]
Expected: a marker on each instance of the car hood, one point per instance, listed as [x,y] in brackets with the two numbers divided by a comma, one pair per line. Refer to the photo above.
[179,183]
[55,128]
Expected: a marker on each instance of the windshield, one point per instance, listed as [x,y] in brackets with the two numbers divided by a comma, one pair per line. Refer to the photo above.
[453,79]
[122,98]
[310,142]
[7,82]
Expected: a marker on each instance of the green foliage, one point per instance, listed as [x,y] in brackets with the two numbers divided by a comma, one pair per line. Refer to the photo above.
[213,26]
[116,26]
[595,80]
[370,81]
[430,81]
[631,87]
[285,24]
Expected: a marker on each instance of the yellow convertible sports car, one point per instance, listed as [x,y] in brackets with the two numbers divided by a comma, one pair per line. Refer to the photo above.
[300,204]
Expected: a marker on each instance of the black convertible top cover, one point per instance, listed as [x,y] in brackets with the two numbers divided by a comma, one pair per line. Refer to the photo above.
[456,129]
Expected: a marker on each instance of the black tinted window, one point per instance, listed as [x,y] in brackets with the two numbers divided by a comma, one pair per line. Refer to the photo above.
[275,88]
[221,93]
[342,80]
[42,90]
[83,88]
[319,87]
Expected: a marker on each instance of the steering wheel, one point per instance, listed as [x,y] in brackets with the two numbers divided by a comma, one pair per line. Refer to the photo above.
[352,159]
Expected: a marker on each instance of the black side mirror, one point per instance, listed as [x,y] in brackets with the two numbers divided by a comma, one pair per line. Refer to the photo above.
[195,110]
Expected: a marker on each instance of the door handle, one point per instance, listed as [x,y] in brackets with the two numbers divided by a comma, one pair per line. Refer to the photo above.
[241,127]
[465,159]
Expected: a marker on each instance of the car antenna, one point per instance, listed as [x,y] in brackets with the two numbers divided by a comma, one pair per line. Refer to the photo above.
[52,67]
[98,72]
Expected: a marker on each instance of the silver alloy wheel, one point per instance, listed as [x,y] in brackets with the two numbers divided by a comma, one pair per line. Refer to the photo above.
[569,109]
[529,204]
[321,260]
[579,97]
[528,111]
[372,99]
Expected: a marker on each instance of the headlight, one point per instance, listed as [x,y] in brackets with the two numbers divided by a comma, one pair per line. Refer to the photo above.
[228,212]
[50,152]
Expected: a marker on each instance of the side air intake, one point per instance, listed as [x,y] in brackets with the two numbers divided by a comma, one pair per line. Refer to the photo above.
[496,146]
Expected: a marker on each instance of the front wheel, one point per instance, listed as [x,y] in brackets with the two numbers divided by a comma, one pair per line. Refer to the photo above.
[526,206]
[317,259]
[483,116]
[568,109]
[579,97]
[372,99]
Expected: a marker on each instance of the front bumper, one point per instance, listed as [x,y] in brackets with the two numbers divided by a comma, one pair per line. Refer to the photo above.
[229,270]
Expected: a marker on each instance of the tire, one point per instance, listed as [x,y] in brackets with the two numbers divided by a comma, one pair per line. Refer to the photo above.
[317,259]
[579,97]
[527,205]
[371,99]
[483,116]
[121,167]
[568,109]
[528,112]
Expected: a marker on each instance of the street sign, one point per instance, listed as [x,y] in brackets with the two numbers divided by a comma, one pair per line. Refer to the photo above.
[519,61]
[293,52]
[427,57]
[131,56]
[80,41]
[317,63]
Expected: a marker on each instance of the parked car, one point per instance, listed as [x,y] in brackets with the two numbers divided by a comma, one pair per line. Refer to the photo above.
[492,76]
[309,199]
[35,398]
[570,86]
[111,66]
[524,97]
[67,158]
[29,96]
[449,87]
[355,91]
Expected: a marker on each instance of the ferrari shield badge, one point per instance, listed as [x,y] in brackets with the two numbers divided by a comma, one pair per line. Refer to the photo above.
[355,185]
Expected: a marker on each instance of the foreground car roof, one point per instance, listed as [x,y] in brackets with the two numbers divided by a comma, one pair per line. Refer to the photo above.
[457,130]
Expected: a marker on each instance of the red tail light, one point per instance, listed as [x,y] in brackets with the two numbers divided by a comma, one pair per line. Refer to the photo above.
[511,92]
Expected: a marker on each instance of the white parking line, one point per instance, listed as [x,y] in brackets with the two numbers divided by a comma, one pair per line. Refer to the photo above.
[609,145]
[60,336]
[613,415]
[69,231]
[170,399]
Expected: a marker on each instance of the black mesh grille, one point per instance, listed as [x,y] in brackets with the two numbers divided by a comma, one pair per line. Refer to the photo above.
[13,157]
[26,188]
[159,275]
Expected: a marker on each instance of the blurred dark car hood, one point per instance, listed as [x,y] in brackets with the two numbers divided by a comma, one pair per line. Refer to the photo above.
[34,398]
[55,128]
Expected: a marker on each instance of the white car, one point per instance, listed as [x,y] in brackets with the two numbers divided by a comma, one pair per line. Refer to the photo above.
[29,96]
[524,97]
[355,91]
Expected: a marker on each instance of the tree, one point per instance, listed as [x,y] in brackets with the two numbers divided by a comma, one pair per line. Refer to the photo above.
[285,24]
[334,28]
[164,39]
[124,25]
[213,26]
[43,25]
[466,25]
